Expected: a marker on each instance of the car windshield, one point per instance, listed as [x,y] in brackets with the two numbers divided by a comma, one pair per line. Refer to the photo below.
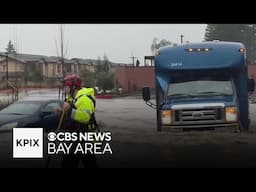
[200,88]
[21,108]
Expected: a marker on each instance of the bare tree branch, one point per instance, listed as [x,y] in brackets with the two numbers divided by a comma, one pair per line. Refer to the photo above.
[62,50]
[66,53]
[57,50]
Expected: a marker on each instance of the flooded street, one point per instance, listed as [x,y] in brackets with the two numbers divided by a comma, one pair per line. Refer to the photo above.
[136,143]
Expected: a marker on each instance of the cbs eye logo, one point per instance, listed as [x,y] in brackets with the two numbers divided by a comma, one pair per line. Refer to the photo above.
[52,136]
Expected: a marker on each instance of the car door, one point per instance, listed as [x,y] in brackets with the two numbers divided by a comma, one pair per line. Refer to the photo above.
[49,120]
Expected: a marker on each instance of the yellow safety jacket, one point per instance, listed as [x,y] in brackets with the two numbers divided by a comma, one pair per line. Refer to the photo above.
[90,91]
[83,106]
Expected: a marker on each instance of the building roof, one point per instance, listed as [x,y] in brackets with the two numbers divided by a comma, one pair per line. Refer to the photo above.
[85,61]
[24,57]
[35,58]
[50,59]
[54,59]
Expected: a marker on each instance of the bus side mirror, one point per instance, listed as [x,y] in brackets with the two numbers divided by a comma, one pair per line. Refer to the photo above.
[146,93]
[251,85]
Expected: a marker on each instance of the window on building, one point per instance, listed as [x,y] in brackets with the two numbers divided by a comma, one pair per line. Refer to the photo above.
[68,68]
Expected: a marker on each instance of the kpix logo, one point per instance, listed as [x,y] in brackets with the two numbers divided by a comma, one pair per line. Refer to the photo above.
[27,142]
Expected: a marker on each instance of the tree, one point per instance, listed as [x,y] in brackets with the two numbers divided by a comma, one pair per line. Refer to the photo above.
[244,33]
[106,63]
[224,32]
[103,66]
[99,67]
[210,32]
[62,50]
[105,81]
[10,47]
[163,42]
[154,45]
[249,40]
[103,77]
[89,78]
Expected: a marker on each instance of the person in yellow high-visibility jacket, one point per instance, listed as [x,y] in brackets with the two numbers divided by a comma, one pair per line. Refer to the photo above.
[89,91]
[79,108]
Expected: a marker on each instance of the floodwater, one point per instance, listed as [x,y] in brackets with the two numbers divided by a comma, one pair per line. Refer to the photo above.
[136,142]
[37,94]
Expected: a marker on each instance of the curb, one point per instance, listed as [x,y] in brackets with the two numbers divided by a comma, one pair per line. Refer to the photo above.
[104,97]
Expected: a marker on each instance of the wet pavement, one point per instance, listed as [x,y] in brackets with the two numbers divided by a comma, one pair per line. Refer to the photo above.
[136,143]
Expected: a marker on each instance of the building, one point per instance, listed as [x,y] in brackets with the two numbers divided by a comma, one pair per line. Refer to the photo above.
[84,64]
[21,67]
[16,68]
[252,71]
[133,79]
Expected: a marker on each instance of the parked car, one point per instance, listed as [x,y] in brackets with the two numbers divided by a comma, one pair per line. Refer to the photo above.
[30,114]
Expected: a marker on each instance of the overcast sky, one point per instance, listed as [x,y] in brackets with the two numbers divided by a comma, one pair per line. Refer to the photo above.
[118,41]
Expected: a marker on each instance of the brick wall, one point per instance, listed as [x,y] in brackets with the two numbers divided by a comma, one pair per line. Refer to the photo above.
[132,79]
[252,71]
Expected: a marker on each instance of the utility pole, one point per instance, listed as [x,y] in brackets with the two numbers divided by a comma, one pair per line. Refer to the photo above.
[7,69]
[133,58]
[181,39]
[61,51]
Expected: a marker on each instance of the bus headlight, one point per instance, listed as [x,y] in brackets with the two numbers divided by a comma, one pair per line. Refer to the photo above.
[166,117]
[231,114]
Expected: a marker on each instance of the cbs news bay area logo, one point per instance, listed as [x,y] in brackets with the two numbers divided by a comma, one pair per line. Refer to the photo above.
[29,143]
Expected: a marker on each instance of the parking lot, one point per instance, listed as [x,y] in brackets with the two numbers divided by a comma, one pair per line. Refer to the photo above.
[136,143]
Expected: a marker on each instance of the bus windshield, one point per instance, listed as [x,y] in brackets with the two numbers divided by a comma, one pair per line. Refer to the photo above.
[200,88]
